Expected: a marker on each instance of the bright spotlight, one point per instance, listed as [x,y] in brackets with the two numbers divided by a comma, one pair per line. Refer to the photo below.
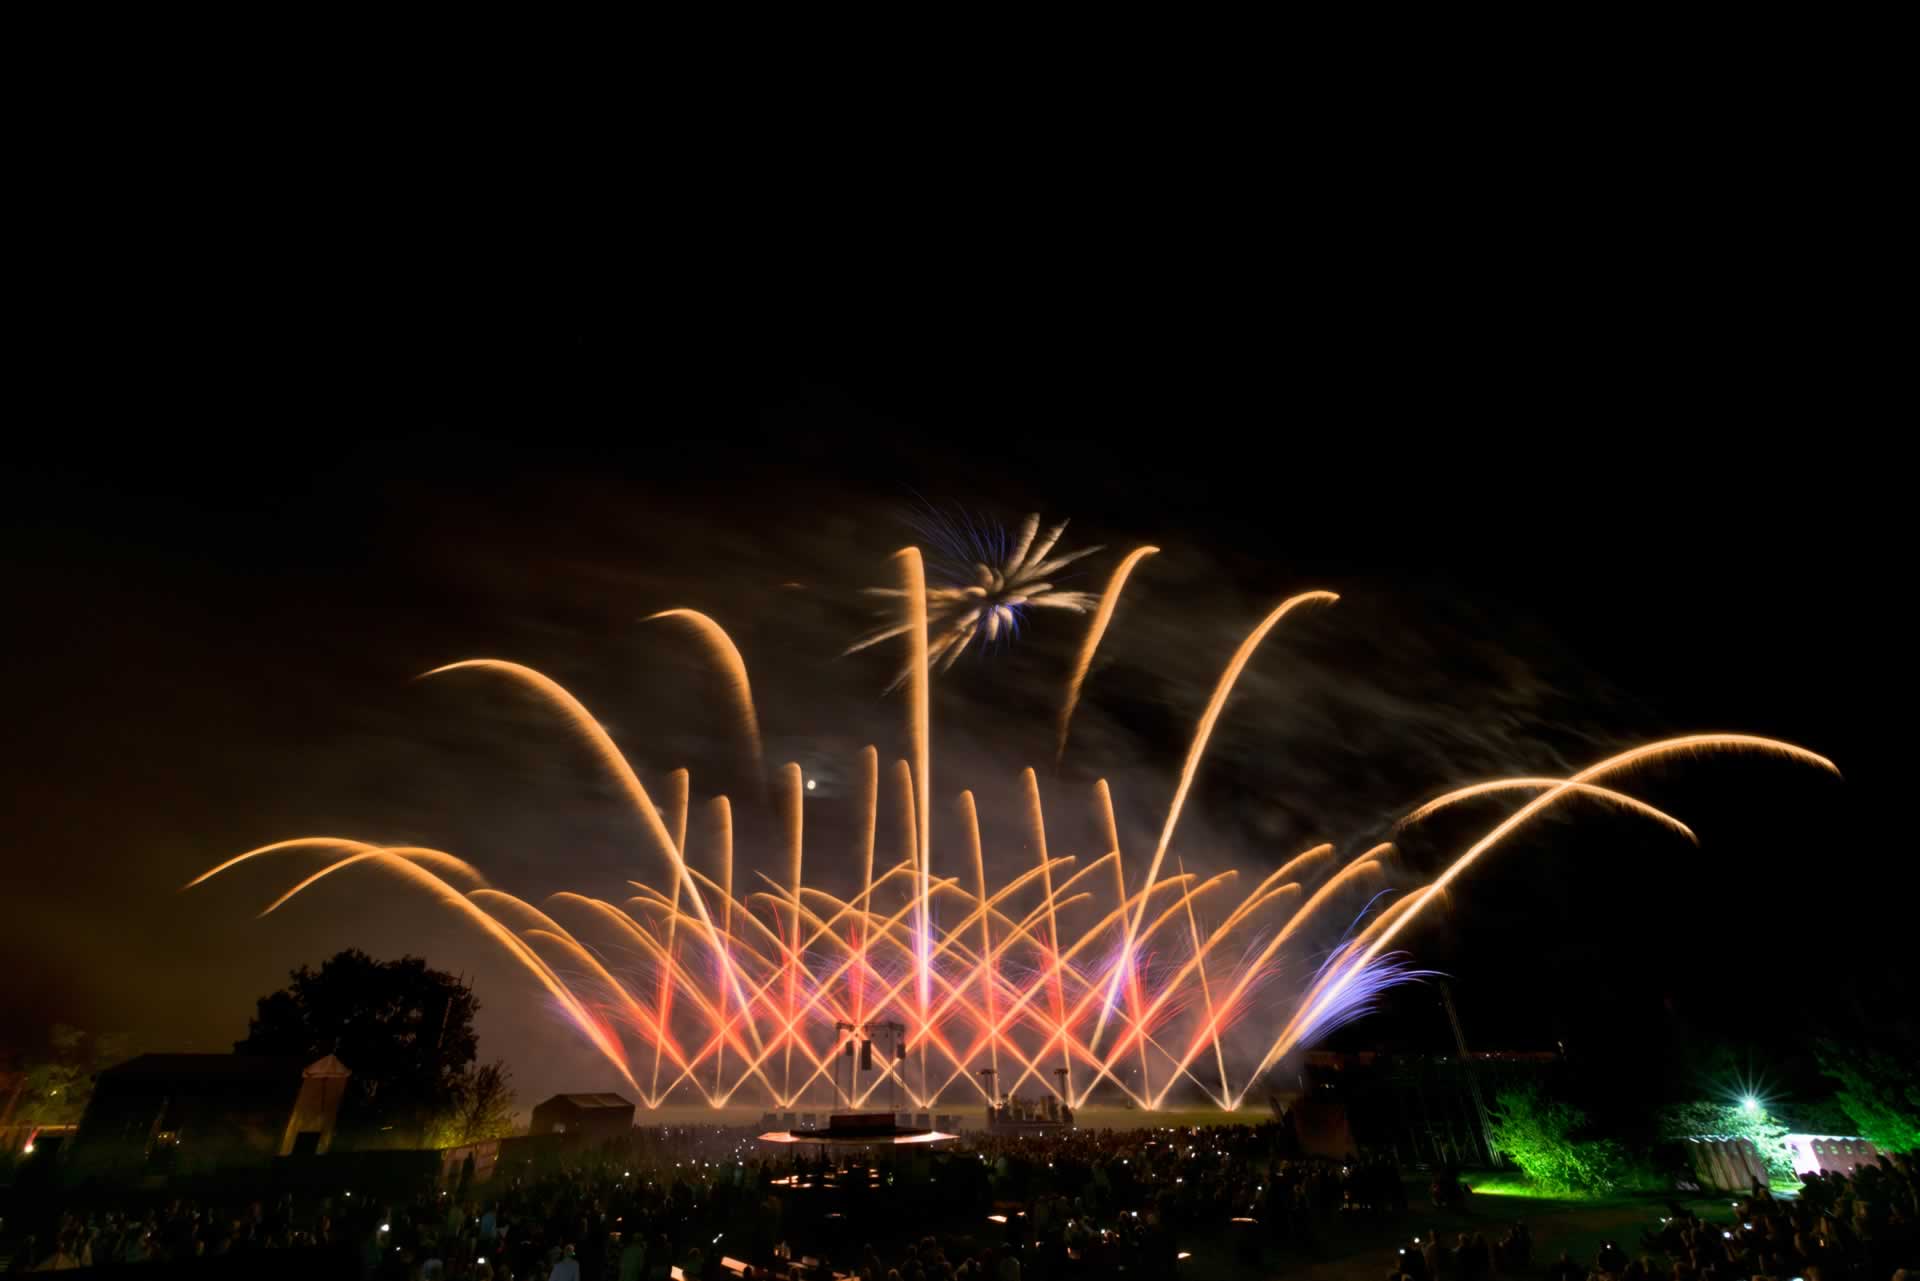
[1750,1103]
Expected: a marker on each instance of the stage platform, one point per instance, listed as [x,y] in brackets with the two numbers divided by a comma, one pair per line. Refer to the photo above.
[859,1129]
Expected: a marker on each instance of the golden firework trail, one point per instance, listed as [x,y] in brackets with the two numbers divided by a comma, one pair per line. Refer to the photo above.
[1320,1000]
[1195,754]
[733,667]
[1081,663]
[1066,974]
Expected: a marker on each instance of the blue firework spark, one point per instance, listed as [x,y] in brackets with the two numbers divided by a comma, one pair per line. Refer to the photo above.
[1360,984]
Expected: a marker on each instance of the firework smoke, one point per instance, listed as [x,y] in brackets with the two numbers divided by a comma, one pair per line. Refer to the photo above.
[1065,963]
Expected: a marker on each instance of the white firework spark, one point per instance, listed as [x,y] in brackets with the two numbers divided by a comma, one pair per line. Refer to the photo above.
[991,584]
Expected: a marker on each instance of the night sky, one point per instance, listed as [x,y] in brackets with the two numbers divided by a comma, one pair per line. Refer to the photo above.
[237,534]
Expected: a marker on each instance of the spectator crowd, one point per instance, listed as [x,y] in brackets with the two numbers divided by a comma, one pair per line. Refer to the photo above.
[713,1203]
[717,1202]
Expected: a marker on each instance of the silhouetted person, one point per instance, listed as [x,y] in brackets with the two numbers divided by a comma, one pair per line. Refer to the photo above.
[633,1260]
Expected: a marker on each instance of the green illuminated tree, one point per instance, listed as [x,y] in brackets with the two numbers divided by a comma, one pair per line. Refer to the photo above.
[1540,1136]
[1879,1093]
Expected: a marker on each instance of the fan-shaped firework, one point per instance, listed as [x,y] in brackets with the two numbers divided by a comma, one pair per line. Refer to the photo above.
[769,990]
[987,580]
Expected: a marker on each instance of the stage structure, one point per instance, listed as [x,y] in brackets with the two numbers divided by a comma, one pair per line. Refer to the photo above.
[1044,1115]
[870,1047]
[862,1129]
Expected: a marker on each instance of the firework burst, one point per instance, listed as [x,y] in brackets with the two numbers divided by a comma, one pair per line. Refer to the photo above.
[986,580]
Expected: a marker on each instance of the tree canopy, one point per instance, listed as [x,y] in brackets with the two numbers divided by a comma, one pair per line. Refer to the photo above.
[482,1110]
[404,1030]
[1879,1093]
[59,1082]
[1540,1135]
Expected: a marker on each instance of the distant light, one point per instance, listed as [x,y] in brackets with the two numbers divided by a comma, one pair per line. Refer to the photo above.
[481,1259]
[385,1226]
[996,1218]
[1184,1254]
[810,784]
[28,1149]
[1750,1103]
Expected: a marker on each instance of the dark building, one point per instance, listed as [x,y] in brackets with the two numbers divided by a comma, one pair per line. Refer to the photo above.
[163,1113]
[599,1116]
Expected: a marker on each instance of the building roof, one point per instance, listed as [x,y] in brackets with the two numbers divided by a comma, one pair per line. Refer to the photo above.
[589,1101]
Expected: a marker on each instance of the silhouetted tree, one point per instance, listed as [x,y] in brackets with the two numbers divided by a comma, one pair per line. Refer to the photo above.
[405,1031]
